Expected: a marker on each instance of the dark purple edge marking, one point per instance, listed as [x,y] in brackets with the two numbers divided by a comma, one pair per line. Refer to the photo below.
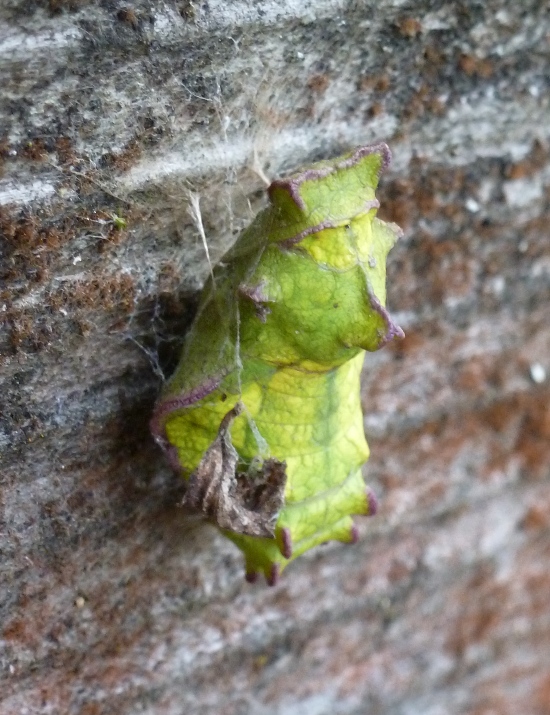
[251,576]
[274,574]
[289,242]
[293,183]
[372,502]
[287,542]
[354,534]
[156,425]
[392,330]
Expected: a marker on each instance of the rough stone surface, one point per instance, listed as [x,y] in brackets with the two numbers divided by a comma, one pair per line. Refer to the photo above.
[114,118]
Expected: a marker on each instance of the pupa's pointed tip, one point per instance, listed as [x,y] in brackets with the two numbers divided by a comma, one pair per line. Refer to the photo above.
[372,502]
[274,574]
[354,534]
[286,539]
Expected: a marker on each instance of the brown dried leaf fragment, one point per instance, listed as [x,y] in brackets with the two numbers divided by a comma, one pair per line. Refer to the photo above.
[246,503]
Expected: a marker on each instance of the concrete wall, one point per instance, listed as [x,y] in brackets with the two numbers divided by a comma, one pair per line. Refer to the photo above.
[113,116]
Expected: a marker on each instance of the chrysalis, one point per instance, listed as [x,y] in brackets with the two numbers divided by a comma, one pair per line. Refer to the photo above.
[263,414]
